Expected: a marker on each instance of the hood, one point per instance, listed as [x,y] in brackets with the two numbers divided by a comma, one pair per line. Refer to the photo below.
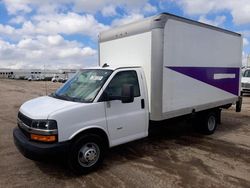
[42,107]
[245,80]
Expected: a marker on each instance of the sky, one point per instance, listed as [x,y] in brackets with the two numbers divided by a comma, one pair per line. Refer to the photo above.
[64,33]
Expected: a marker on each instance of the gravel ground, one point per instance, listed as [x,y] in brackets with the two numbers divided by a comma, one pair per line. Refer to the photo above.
[172,156]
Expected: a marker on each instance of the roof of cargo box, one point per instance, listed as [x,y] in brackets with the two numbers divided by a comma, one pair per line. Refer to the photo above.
[112,67]
[150,23]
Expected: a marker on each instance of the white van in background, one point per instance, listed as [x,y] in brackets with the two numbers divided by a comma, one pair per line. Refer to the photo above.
[245,81]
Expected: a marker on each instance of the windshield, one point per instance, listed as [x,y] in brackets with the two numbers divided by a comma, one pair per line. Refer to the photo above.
[246,73]
[84,86]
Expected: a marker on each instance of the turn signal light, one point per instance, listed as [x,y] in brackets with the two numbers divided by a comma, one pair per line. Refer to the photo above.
[42,138]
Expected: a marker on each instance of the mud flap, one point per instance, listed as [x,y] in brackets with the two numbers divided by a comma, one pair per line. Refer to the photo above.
[219,116]
[239,104]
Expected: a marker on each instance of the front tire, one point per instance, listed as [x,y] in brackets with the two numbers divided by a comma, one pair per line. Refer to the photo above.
[86,154]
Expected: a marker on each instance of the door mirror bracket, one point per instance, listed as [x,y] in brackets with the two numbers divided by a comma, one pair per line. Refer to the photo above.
[127,93]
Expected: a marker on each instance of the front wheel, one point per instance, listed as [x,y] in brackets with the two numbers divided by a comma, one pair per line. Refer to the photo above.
[86,154]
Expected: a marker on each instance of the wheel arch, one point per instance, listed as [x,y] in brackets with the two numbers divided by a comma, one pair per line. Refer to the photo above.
[92,130]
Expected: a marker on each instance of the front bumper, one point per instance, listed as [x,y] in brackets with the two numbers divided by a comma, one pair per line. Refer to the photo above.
[245,90]
[36,150]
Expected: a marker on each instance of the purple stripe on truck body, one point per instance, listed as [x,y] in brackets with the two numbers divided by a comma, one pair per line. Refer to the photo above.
[211,76]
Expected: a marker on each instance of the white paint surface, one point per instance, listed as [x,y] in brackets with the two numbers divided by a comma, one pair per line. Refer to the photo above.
[188,45]
[129,51]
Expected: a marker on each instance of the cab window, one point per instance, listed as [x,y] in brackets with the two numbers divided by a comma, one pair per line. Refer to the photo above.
[124,77]
[246,73]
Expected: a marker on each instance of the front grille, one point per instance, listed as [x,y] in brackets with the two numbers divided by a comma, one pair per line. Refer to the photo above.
[245,85]
[27,121]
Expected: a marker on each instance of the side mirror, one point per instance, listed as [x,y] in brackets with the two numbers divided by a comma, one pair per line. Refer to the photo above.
[127,93]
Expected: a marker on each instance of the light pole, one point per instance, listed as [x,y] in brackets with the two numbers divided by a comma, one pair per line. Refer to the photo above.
[248,60]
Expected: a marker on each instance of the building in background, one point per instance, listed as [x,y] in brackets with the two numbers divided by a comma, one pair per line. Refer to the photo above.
[36,74]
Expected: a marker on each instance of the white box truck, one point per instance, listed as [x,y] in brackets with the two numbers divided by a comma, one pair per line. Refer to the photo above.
[152,70]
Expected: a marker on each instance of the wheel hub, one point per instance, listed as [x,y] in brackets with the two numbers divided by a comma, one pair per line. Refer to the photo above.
[88,155]
[211,123]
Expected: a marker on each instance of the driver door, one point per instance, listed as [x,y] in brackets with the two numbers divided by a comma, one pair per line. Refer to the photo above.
[126,121]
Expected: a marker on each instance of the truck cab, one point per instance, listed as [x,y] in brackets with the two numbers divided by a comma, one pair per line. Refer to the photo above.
[96,109]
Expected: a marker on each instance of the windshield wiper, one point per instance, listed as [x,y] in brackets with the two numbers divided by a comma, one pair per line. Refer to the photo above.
[63,97]
[66,97]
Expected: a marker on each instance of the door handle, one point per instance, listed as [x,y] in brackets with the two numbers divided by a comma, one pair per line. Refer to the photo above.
[142,104]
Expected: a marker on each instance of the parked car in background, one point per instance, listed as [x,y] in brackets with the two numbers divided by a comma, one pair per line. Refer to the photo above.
[62,80]
[55,78]
[34,78]
[245,82]
[30,78]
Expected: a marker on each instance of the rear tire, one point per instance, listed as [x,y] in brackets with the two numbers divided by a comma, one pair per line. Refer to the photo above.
[209,123]
[86,154]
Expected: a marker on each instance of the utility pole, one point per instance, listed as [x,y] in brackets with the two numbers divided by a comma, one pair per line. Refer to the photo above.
[248,60]
[46,87]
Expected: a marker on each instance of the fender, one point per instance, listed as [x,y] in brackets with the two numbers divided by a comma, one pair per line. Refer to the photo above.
[87,128]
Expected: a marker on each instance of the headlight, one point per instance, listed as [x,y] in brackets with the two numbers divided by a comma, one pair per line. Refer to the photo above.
[44,130]
[44,124]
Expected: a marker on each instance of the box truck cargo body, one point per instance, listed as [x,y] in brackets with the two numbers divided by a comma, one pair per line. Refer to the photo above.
[188,65]
[152,70]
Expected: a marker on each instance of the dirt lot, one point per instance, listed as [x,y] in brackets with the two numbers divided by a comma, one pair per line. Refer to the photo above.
[172,156]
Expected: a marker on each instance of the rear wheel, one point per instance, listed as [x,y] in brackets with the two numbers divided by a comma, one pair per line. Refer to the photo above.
[206,122]
[86,154]
[209,123]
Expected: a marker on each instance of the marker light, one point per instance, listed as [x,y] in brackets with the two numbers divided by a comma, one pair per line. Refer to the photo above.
[43,138]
